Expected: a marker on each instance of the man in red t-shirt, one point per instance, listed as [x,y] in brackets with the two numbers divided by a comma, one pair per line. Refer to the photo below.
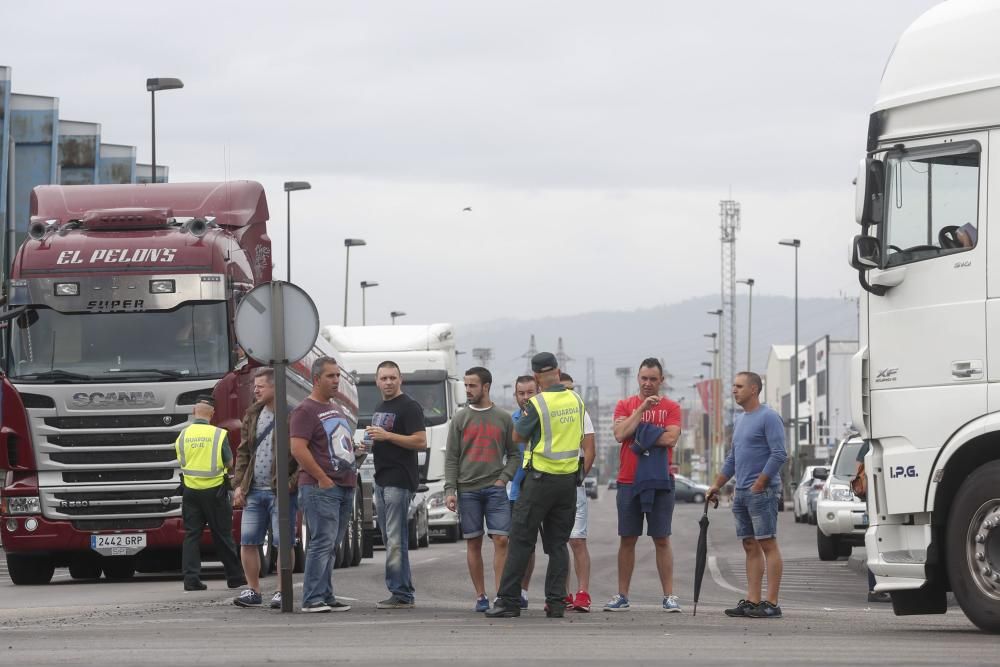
[650,408]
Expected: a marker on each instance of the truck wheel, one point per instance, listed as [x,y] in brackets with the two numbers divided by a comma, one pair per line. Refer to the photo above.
[85,568]
[30,570]
[424,540]
[355,528]
[412,533]
[118,568]
[367,544]
[973,547]
[828,547]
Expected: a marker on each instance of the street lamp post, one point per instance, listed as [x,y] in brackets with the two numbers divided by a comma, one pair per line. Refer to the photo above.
[348,244]
[712,425]
[749,283]
[397,313]
[365,284]
[290,187]
[795,243]
[153,85]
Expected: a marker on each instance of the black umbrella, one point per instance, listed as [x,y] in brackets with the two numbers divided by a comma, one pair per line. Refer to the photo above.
[701,556]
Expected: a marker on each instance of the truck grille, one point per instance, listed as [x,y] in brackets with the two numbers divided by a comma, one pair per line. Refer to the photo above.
[121,503]
[130,475]
[115,422]
[111,458]
[136,439]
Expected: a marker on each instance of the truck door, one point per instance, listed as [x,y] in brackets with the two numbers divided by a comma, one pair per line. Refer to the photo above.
[15,438]
[927,333]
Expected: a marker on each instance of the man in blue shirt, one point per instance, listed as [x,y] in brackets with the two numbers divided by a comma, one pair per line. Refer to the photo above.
[755,461]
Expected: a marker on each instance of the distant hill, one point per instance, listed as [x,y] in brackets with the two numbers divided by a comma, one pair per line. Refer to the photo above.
[672,332]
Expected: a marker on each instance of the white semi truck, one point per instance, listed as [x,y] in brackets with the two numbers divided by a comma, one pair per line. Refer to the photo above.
[926,381]
[426,356]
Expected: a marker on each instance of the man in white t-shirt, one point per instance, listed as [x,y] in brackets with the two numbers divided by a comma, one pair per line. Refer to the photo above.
[578,538]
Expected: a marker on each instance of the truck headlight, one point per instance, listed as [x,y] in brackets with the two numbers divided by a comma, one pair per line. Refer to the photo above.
[22,505]
[436,499]
[839,492]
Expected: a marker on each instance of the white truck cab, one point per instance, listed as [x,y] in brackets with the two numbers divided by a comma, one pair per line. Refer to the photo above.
[926,380]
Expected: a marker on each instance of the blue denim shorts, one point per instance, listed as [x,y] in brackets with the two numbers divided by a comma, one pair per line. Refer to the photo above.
[659,522]
[756,514]
[490,504]
[260,510]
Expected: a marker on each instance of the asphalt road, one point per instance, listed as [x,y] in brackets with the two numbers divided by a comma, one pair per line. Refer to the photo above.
[151,621]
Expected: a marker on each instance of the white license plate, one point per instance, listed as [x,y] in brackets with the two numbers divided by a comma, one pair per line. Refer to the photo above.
[119,544]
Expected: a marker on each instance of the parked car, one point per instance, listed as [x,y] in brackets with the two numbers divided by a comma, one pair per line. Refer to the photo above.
[812,496]
[841,517]
[800,504]
[590,486]
[688,491]
[443,523]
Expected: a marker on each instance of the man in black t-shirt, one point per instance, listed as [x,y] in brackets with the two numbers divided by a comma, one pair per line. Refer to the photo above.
[397,432]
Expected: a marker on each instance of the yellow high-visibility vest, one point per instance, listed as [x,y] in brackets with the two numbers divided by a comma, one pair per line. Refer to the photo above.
[560,416]
[199,450]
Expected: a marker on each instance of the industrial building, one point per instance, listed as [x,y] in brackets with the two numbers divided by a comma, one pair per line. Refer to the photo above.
[37,147]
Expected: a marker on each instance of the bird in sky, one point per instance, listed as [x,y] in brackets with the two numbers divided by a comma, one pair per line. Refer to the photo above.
[467,208]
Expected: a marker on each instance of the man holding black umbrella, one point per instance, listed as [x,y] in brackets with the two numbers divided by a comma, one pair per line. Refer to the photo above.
[756,457]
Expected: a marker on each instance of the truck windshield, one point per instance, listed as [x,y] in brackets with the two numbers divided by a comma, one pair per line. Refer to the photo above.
[432,397]
[191,341]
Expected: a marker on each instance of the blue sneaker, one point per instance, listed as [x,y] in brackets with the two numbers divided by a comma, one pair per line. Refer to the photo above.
[248,598]
[618,603]
[524,601]
[482,603]
[670,604]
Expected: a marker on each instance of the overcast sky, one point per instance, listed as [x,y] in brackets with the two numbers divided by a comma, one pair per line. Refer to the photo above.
[590,139]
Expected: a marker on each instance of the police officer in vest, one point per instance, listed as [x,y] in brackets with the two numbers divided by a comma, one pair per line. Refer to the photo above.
[204,454]
[552,427]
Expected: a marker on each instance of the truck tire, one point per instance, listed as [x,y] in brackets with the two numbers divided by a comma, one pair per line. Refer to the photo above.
[118,568]
[974,532]
[828,547]
[85,568]
[367,544]
[412,534]
[299,566]
[355,528]
[30,570]
[424,540]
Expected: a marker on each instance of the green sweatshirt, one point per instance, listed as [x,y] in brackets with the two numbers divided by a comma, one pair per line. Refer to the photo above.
[480,451]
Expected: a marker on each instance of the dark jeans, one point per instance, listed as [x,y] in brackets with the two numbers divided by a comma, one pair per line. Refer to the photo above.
[210,507]
[547,502]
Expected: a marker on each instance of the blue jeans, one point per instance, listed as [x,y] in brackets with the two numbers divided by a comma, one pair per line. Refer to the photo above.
[490,503]
[327,513]
[756,514]
[260,510]
[391,506]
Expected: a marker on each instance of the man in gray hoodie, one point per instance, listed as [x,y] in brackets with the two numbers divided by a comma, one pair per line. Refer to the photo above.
[481,457]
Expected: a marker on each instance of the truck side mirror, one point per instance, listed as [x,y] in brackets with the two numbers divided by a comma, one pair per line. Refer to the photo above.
[821,473]
[868,193]
[866,253]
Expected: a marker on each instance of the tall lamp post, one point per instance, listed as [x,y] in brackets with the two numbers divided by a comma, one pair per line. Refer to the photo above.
[396,313]
[749,283]
[365,284]
[153,85]
[795,243]
[290,187]
[348,244]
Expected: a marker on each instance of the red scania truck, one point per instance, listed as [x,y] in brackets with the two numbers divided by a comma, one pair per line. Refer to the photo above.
[120,313]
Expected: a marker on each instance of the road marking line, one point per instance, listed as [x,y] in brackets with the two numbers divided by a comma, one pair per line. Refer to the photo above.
[713,567]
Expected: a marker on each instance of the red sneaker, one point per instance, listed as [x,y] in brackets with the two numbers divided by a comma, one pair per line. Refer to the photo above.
[581,602]
[569,602]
